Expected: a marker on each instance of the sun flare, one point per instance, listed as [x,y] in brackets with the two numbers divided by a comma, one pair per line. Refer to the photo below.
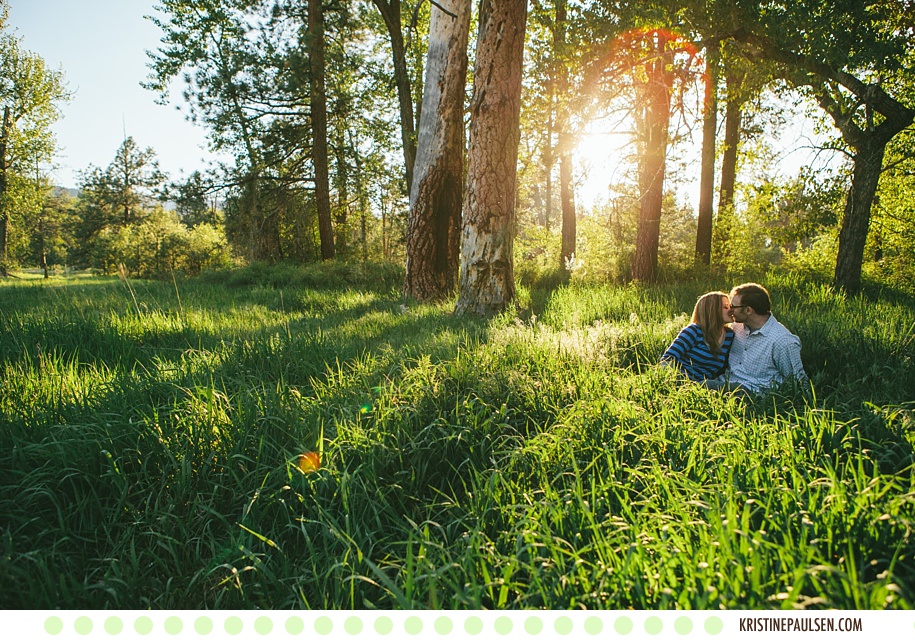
[601,160]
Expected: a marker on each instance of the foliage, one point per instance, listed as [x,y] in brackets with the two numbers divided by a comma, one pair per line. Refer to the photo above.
[847,67]
[817,260]
[195,200]
[245,67]
[118,222]
[30,99]
[50,230]
[148,453]
[161,245]
[119,195]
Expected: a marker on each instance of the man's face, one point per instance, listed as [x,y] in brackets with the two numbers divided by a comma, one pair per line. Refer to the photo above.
[739,312]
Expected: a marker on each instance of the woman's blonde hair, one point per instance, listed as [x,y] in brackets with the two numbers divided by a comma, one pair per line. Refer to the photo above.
[707,314]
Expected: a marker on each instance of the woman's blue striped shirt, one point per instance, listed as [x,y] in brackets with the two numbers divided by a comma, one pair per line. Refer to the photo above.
[693,357]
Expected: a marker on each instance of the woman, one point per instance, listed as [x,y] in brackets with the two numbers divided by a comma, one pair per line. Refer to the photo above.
[701,349]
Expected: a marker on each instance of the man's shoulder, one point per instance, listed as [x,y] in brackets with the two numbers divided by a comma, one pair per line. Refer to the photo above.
[779,332]
[774,327]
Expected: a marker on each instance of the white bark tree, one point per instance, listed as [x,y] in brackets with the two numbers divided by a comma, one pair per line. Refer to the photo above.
[433,240]
[487,281]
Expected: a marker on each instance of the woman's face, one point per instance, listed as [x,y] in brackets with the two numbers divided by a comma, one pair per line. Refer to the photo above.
[726,310]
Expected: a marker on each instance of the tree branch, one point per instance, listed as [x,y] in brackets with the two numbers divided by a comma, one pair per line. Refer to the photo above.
[897,115]
[444,10]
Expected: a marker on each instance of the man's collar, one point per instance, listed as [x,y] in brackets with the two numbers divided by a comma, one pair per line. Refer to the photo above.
[769,321]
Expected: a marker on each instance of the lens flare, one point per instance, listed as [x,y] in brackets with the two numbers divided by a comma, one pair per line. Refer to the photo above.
[309,462]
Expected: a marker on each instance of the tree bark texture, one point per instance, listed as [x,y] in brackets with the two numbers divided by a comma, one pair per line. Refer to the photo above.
[434,225]
[707,171]
[654,122]
[487,281]
[319,127]
[341,186]
[390,12]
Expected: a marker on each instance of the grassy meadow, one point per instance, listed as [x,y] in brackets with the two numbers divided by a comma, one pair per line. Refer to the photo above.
[150,433]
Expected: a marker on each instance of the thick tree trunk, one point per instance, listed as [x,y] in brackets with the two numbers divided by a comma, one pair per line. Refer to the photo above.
[433,229]
[487,281]
[319,127]
[390,12]
[707,175]
[855,223]
[732,125]
[870,146]
[654,124]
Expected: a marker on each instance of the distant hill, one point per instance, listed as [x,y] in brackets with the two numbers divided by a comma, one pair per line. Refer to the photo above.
[64,191]
[73,193]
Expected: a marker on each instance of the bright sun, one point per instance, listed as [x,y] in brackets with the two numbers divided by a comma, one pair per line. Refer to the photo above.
[600,161]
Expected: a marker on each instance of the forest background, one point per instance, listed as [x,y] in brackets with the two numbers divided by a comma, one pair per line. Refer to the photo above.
[249,85]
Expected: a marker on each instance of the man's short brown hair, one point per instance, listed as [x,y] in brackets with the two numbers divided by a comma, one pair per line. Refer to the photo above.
[753,295]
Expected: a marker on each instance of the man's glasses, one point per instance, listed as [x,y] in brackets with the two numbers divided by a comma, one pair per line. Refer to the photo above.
[739,306]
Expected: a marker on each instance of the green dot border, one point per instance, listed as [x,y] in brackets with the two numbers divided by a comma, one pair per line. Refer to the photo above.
[508,624]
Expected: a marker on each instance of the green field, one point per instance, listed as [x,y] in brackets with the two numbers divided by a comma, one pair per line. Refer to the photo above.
[149,438]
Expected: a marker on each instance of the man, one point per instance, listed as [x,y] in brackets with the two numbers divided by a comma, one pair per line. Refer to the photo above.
[764,353]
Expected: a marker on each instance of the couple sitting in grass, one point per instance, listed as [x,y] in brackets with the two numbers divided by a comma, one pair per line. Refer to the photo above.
[734,342]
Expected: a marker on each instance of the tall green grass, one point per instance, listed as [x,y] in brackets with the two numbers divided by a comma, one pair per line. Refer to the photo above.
[147,452]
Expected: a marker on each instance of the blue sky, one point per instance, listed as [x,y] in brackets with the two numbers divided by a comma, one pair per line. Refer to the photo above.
[100,46]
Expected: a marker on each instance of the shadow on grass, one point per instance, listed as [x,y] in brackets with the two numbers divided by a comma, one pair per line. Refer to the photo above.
[132,497]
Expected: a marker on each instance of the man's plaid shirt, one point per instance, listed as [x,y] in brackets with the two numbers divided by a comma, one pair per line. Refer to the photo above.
[764,358]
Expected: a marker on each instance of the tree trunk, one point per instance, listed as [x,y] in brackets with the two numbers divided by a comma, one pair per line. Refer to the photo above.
[548,158]
[707,177]
[567,197]
[4,207]
[363,207]
[566,191]
[390,12]
[319,127]
[870,146]
[487,281]
[384,230]
[855,223]
[653,123]
[732,124]
[731,140]
[433,229]
[43,252]
[341,185]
